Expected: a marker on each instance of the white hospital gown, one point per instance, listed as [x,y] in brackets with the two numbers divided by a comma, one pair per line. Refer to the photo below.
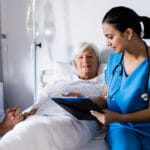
[88,88]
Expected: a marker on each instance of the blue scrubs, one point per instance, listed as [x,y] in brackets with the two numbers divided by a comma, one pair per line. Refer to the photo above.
[123,94]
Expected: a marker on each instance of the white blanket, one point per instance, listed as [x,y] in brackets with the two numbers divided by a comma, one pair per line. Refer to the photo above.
[52,128]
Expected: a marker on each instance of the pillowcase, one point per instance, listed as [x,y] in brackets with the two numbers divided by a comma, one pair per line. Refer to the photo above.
[59,71]
[67,71]
[64,71]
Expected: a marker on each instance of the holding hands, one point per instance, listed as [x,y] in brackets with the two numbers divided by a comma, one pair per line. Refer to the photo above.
[31,112]
[12,117]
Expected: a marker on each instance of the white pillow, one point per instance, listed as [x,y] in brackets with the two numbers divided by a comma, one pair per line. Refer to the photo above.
[64,71]
[67,71]
[59,70]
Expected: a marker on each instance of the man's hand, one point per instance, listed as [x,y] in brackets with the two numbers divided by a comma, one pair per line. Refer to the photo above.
[31,112]
[12,117]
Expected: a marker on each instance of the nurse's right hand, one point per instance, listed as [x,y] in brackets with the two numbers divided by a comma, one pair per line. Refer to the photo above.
[106,117]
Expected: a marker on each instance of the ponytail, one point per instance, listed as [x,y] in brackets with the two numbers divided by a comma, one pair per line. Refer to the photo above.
[123,17]
[146,24]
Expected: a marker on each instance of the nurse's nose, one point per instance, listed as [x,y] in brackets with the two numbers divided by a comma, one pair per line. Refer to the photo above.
[108,43]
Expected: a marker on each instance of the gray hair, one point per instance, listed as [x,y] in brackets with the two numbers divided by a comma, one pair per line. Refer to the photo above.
[82,46]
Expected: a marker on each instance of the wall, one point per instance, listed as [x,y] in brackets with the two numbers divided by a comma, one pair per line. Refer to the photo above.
[74,21]
[17,61]
[86,17]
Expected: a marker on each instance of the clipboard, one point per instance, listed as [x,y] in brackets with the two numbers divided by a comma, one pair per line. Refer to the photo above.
[78,107]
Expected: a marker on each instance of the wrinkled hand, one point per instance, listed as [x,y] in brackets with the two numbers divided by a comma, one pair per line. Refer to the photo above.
[12,117]
[31,112]
[106,117]
[72,94]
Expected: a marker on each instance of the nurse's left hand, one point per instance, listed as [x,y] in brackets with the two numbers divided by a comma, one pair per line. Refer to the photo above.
[106,117]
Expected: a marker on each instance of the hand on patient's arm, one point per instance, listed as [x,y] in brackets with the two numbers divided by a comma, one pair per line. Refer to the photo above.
[31,112]
[72,94]
[12,117]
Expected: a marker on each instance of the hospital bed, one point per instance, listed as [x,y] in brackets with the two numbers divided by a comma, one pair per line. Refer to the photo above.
[53,128]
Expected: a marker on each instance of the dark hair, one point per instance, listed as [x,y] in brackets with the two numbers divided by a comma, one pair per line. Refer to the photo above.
[123,18]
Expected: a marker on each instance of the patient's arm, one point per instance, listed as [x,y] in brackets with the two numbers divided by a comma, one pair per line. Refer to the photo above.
[12,117]
[102,99]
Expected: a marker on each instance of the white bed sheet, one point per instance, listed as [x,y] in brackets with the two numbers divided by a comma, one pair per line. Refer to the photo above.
[53,128]
[48,130]
[98,143]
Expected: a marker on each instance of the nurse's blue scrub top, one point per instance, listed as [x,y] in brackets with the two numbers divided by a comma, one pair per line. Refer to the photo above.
[125,93]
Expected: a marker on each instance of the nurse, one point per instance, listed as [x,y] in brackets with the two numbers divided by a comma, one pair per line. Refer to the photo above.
[126,92]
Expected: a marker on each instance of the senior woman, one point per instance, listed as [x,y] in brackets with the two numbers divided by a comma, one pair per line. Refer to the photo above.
[85,80]
[86,59]
[64,131]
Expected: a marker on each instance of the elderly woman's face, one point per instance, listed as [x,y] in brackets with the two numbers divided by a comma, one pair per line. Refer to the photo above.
[87,64]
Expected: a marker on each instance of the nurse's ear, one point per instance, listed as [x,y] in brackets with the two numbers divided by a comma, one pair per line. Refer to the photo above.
[128,33]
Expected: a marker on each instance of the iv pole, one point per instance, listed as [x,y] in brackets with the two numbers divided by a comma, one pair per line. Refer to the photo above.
[34,51]
[34,47]
[32,28]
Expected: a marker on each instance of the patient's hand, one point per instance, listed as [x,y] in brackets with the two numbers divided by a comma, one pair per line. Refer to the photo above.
[72,94]
[31,112]
[12,117]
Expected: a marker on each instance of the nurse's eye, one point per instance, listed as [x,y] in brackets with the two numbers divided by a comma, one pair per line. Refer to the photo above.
[110,37]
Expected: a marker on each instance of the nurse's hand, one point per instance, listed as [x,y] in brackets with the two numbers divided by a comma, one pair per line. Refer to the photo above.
[106,117]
